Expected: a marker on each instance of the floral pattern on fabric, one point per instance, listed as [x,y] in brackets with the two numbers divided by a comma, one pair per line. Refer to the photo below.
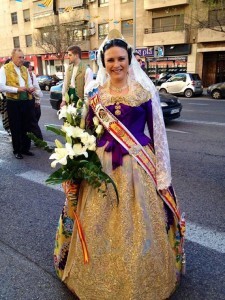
[65,227]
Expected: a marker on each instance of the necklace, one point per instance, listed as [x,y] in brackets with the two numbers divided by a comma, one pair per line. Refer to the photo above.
[118,90]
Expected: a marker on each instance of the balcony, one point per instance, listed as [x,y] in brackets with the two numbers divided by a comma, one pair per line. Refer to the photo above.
[44,20]
[166,36]
[208,35]
[78,15]
[156,4]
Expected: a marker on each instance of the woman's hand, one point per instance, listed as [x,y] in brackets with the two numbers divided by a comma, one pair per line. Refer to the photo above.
[62,103]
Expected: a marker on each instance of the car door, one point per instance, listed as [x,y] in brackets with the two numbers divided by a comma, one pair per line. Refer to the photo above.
[176,83]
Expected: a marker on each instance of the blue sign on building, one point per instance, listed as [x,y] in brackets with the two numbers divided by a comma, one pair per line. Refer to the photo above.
[93,55]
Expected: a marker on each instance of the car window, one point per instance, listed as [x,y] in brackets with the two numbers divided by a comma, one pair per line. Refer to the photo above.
[42,77]
[195,77]
[180,77]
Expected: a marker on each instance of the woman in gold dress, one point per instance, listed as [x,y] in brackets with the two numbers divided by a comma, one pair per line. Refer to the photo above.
[134,248]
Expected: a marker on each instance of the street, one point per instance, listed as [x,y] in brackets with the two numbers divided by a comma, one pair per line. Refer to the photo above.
[30,209]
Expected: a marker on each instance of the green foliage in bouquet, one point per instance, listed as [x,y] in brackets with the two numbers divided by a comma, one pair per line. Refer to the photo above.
[78,158]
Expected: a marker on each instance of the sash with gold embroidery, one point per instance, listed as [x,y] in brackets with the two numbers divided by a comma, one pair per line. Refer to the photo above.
[130,143]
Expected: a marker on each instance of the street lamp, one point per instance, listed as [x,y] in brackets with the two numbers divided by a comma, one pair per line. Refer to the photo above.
[134,24]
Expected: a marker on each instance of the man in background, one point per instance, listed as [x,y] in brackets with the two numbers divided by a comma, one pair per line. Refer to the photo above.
[35,104]
[16,83]
[77,76]
[141,62]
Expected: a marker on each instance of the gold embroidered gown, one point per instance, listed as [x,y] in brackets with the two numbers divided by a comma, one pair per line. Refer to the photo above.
[131,246]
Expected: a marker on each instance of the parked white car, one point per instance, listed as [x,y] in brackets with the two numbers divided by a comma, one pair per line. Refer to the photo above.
[186,84]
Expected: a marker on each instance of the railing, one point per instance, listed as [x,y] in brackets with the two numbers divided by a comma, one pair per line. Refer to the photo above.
[165,28]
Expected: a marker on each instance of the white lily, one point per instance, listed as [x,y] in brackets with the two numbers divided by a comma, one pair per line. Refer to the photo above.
[62,113]
[87,139]
[70,150]
[71,109]
[99,129]
[72,131]
[80,150]
[60,157]
[92,147]
[96,121]
[58,144]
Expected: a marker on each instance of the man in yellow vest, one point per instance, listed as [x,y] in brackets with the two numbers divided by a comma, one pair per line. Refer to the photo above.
[77,76]
[15,81]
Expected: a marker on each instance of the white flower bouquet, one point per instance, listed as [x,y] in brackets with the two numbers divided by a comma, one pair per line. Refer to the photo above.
[77,155]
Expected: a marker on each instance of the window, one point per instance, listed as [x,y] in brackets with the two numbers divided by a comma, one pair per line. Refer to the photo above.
[14,18]
[74,36]
[216,17]
[16,42]
[180,77]
[103,2]
[170,23]
[26,15]
[103,30]
[60,68]
[28,40]
[127,27]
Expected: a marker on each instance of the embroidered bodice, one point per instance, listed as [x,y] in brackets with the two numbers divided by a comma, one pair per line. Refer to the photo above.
[136,111]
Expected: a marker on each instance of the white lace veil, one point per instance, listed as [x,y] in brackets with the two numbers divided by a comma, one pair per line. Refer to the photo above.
[163,169]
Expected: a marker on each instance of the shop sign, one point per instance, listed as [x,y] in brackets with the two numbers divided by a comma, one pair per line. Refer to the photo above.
[145,51]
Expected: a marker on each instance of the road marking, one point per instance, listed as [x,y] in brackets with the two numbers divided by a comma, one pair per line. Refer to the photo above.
[173,130]
[195,233]
[203,104]
[189,110]
[56,125]
[201,122]
[39,177]
[206,237]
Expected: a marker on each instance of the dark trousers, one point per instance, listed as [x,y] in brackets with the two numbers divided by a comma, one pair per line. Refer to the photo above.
[19,123]
[35,116]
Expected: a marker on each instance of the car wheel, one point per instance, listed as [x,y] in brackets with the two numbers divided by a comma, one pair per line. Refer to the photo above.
[47,88]
[164,91]
[216,94]
[188,93]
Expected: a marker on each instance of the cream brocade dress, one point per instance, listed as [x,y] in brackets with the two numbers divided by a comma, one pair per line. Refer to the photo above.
[130,256]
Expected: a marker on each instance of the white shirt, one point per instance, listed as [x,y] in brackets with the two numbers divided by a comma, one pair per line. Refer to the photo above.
[11,89]
[37,93]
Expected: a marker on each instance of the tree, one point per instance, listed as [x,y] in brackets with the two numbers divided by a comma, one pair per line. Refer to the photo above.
[209,14]
[56,39]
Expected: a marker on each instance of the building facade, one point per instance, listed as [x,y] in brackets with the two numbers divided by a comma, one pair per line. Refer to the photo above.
[171,35]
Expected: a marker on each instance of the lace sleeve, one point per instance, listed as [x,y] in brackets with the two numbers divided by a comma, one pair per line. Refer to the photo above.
[163,169]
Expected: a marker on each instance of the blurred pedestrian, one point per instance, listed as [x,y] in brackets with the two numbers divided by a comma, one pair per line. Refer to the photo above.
[35,103]
[138,57]
[3,108]
[77,76]
[16,83]
[141,62]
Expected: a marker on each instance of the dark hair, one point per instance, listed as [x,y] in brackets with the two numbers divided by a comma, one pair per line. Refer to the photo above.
[119,43]
[136,53]
[7,61]
[75,50]
[26,64]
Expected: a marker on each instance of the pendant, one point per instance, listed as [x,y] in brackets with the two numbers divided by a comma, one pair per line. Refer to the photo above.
[117,109]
